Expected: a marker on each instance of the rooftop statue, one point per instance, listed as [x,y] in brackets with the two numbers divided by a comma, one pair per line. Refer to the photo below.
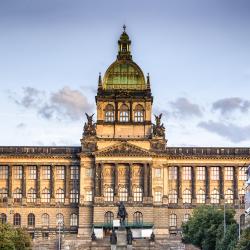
[158,127]
[89,126]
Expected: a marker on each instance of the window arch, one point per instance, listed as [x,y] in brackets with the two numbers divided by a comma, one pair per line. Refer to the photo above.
[123,194]
[45,197]
[172,197]
[31,220]
[3,218]
[3,195]
[108,194]
[139,113]
[124,113]
[73,220]
[138,218]
[200,196]
[242,221]
[158,195]
[59,220]
[242,193]
[17,220]
[74,195]
[215,196]
[60,195]
[137,194]
[17,195]
[173,220]
[187,197]
[109,113]
[108,218]
[31,195]
[45,220]
[229,196]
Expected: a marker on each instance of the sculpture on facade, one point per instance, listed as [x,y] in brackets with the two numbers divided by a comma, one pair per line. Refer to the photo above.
[89,126]
[113,237]
[129,237]
[93,236]
[152,237]
[122,213]
[158,127]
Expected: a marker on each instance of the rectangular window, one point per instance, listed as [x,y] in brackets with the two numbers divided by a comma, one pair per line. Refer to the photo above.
[46,172]
[172,173]
[242,173]
[157,172]
[32,172]
[186,174]
[3,172]
[89,196]
[215,173]
[158,196]
[74,173]
[229,172]
[18,172]
[60,172]
[201,173]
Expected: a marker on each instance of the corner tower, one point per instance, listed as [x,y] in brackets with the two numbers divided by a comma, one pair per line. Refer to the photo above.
[124,99]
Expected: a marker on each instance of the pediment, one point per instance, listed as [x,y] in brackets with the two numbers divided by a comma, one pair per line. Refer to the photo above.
[123,149]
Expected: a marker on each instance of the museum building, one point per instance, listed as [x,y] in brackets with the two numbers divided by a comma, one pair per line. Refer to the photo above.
[123,156]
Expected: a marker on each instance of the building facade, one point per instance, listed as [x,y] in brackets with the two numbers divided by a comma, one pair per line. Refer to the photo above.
[123,157]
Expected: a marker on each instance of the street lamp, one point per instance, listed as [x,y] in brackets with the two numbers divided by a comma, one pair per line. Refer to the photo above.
[59,222]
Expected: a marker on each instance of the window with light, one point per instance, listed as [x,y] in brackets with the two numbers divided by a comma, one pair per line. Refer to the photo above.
[201,173]
[45,197]
[201,197]
[215,196]
[123,194]
[186,196]
[124,113]
[108,194]
[60,195]
[186,173]
[3,172]
[109,113]
[138,194]
[172,197]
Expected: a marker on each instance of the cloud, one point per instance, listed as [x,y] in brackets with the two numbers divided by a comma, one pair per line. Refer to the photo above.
[21,125]
[183,108]
[66,103]
[228,105]
[230,131]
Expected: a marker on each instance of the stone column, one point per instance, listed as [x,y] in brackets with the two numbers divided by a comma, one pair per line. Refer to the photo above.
[221,184]
[179,186]
[130,183]
[66,181]
[235,181]
[38,173]
[150,180]
[52,181]
[207,178]
[193,179]
[145,179]
[97,180]
[10,176]
[116,179]
[101,180]
[24,168]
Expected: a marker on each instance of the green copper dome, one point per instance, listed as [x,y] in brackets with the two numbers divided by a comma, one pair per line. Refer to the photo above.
[124,73]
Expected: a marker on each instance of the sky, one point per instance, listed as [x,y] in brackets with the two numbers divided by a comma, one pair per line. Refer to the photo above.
[197,53]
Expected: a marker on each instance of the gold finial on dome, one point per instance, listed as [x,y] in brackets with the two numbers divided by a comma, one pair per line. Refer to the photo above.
[124,46]
[124,28]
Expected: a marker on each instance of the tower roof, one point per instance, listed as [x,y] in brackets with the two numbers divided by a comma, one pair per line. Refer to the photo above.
[124,73]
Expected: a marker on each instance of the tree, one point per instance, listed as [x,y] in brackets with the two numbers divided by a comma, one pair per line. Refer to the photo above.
[205,229]
[244,242]
[13,238]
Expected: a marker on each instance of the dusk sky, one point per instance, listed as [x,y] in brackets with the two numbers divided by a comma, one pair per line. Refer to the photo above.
[196,51]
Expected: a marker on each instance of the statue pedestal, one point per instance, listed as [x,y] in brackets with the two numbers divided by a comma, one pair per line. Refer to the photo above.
[121,239]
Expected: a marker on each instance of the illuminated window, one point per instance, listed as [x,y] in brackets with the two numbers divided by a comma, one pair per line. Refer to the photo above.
[17,195]
[73,220]
[242,174]
[139,114]
[18,172]
[74,196]
[3,172]
[158,196]
[187,198]
[229,197]
[200,196]
[60,195]
[60,175]
[215,196]
[45,197]
[173,220]
[186,174]
[215,173]
[74,173]
[200,173]
[109,113]
[229,172]
[123,194]
[124,113]
[172,197]
[138,194]
[89,195]
[31,195]
[32,172]
[109,194]
[46,172]
[172,173]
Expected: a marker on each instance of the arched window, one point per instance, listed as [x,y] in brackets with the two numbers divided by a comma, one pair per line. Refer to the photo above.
[59,220]
[172,197]
[124,113]
[17,220]
[187,198]
[229,196]
[73,220]
[173,220]
[60,195]
[242,193]
[108,218]
[3,218]
[186,217]
[74,195]
[123,194]
[215,196]
[158,196]
[45,220]
[138,218]
[242,221]
[109,113]
[139,113]
[31,195]
[17,195]
[200,196]
[45,197]
[31,220]
[137,194]
[89,195]
[3,195]
[108,194]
